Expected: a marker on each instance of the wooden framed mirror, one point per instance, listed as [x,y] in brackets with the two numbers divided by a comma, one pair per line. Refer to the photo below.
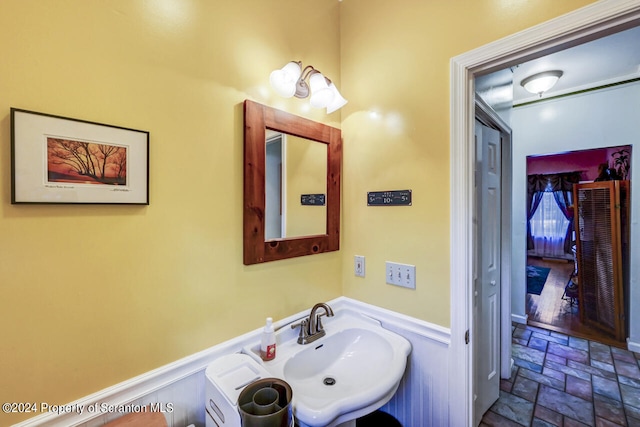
[263,123]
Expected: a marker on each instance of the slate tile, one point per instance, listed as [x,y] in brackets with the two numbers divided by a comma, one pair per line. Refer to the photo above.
[624,355]
[522,334]
[601,422]
[548,415]
[525,388]
[492,419]
[579,343]
[600,352]
[506,385]
[538,330]
[567,404]
[579,387]
[527,353]
[563,381]
[549,338]
[514,408]
[591,370]
[561,338]
[570,422]
[609,409]
[632,412]
[541,423]
[602,365]
[633,382]
[538,344]
[527,365]
[553,373]
[557,359]
[633,422]
[522,341]
[542,379]
[630,395]
[580,373]
[568,352]
[630,370]
[606,387]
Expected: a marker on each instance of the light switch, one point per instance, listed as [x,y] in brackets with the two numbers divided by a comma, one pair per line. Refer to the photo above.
[401,274]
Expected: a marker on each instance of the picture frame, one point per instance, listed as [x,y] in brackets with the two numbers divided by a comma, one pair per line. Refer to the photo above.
[63,160]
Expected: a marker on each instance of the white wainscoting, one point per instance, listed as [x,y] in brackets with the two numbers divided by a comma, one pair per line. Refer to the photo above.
[421,399]
[186,397]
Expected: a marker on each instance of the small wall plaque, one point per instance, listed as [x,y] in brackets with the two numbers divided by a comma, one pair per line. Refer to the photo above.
[312,199]
[389,198]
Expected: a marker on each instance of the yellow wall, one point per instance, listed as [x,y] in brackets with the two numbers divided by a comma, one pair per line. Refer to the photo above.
[306,170]
[395,73]
[94,295]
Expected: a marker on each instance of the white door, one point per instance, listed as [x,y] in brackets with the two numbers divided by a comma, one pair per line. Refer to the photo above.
[486,322]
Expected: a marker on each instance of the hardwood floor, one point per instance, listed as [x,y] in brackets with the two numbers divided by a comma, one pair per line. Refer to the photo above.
[548,310]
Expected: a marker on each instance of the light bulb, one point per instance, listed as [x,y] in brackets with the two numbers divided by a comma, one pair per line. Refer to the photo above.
[321,95]
[284,80]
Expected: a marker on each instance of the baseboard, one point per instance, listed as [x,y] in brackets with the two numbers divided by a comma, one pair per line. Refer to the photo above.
[519,319]
[633,346]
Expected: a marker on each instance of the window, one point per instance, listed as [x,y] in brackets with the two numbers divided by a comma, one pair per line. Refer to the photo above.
[548,228]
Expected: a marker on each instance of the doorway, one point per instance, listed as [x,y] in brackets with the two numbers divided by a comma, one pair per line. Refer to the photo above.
[589,23]
[553,297]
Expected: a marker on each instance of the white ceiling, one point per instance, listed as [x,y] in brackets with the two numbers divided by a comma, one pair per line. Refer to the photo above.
[607,60]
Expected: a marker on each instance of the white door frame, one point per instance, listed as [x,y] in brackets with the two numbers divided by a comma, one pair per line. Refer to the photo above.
[588,23]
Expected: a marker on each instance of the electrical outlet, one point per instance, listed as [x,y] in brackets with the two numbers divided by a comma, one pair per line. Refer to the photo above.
[358,266]
[401,274]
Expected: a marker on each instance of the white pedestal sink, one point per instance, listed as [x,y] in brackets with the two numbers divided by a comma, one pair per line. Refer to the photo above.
[350,372]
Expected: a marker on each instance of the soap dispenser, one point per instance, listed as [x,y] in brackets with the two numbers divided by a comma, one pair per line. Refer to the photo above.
[268,342]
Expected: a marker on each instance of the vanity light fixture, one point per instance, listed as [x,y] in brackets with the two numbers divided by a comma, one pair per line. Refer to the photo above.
[541,82]
[293,80]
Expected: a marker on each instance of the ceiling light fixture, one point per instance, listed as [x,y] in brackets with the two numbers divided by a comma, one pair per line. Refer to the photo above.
[541,82]
[293,80]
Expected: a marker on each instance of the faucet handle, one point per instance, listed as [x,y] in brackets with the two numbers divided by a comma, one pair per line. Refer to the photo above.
[319,326]
[303,329]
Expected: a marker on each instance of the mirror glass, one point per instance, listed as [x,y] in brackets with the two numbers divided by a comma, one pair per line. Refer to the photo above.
[292,169]
[295,186]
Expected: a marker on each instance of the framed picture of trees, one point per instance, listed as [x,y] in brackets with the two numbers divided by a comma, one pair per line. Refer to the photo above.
[62,160]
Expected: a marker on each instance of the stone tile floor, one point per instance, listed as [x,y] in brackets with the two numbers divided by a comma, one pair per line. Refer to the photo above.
[560,380]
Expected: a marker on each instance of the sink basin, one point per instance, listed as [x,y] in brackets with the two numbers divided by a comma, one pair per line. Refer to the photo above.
[351,371]
[343,363]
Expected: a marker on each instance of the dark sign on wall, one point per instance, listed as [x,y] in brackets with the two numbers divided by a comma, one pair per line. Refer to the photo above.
[312,199]
[389,198]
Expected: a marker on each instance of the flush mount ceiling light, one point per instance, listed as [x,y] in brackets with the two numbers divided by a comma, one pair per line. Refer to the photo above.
[293,80]
[541,82]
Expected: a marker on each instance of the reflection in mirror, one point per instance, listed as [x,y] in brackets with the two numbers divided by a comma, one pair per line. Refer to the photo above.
[291,185]
[295,168]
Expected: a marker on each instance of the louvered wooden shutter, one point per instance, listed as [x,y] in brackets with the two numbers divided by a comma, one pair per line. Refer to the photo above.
[599,212]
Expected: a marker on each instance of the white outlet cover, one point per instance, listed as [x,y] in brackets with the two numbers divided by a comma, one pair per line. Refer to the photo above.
[403,275]
[359,266]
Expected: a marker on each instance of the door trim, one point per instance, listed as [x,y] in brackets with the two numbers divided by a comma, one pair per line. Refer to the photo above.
[588,23]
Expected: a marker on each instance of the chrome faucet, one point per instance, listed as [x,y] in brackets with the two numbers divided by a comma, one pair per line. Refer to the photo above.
[311,328]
